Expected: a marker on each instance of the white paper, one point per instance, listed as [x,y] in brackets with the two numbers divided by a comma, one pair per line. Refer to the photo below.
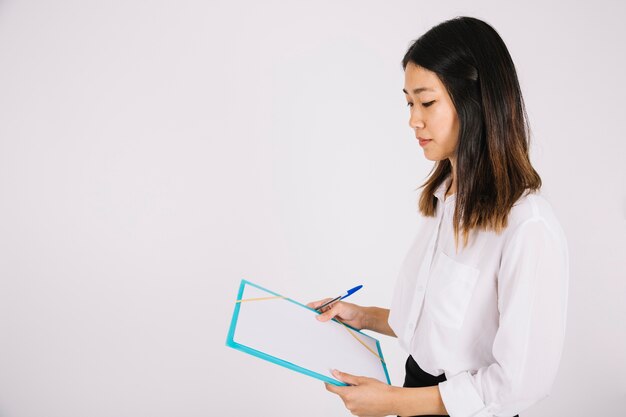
[285,330]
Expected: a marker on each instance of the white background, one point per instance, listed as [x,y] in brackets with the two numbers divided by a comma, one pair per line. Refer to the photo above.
[153,153]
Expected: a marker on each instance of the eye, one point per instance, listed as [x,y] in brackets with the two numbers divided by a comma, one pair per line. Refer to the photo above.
[409,104]
[428,104]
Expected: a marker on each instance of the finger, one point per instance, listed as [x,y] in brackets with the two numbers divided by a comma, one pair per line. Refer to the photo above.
[347,378]
[332,388]
[315,304]
[331,313]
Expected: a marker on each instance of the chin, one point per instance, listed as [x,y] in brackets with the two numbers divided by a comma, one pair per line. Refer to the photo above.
[434,158]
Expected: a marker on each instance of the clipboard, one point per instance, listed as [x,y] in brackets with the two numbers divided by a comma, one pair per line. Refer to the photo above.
[285,332]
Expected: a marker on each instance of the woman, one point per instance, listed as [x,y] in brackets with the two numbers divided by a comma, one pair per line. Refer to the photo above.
[480,301]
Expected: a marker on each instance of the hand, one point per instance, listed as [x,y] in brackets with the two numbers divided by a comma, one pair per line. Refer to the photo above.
[366,397]
[350,314]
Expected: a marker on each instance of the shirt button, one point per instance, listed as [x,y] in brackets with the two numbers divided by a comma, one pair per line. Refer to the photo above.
[412,325]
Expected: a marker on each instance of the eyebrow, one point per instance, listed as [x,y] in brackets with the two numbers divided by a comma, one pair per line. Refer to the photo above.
[418,90]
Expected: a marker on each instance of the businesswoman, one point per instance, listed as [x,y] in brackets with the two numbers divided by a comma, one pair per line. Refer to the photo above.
[480,301]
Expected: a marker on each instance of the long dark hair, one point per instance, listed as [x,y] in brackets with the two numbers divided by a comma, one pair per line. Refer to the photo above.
[493,165]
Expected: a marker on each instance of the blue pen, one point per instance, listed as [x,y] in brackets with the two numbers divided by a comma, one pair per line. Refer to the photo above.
[341,297]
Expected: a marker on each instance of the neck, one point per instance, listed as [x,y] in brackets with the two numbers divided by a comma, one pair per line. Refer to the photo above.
[452,187]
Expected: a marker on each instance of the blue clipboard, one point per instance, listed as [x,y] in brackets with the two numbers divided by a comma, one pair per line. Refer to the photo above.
[283,331]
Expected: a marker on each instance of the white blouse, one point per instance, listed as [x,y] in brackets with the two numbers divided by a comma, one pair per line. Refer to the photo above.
[492,316]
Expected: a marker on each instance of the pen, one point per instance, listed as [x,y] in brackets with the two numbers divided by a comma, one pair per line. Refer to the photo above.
[341,297]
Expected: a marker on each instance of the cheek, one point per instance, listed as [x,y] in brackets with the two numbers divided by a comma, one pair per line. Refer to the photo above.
[441,126]
[454,132]
[444,128]
[449,128]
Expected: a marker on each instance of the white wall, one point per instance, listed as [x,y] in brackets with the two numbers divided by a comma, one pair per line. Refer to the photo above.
[154,153]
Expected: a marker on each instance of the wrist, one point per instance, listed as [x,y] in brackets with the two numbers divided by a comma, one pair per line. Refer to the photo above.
[396,400]
[418,401]
[366,318]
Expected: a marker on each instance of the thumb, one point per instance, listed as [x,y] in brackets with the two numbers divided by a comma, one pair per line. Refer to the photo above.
[314,304]
[331,313]
[347,378]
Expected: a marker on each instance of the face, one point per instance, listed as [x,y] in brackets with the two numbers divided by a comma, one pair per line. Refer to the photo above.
[433,115]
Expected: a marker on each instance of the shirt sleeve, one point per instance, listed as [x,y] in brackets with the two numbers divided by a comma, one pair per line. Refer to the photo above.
[532,302]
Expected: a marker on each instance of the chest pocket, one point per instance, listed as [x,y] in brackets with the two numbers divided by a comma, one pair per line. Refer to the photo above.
[450,288]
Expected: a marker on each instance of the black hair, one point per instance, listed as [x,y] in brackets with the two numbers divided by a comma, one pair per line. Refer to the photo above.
[493,167]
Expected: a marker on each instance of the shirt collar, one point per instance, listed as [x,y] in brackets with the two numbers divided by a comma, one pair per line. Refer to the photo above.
[440,191]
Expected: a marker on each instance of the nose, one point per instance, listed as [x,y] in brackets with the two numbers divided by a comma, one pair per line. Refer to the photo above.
[416,121]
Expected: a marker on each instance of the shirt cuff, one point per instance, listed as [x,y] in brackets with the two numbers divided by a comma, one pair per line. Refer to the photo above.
[460,397]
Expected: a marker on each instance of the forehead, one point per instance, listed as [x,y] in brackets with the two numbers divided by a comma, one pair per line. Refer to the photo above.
[420,79]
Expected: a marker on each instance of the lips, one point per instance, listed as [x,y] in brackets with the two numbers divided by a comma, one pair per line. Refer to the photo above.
[423,141]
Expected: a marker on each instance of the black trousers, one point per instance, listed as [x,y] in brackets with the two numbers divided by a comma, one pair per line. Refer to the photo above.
[417,377]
